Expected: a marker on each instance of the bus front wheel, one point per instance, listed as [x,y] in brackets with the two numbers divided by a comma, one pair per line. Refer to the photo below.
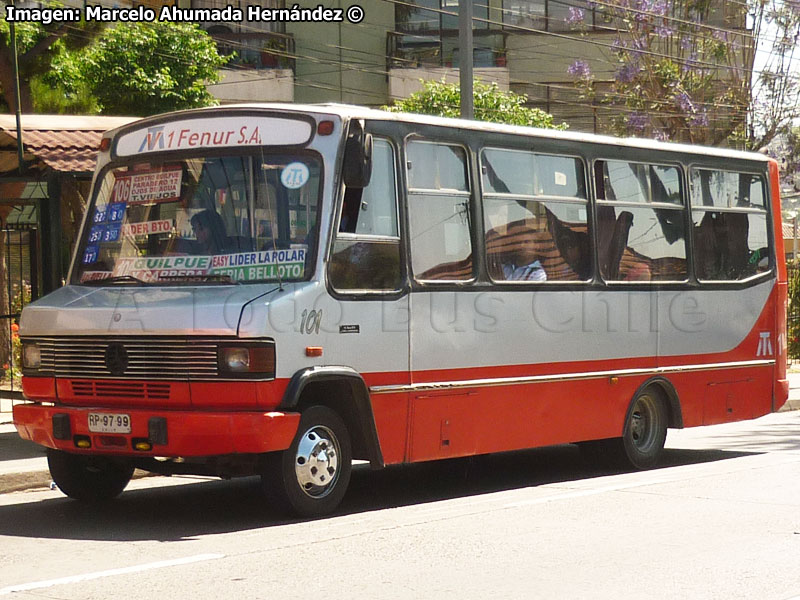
[310,478]
[88,478]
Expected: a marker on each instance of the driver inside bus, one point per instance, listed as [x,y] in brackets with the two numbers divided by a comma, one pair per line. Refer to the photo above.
[209,229]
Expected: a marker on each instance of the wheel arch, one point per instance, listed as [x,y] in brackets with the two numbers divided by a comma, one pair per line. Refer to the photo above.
[670,397]
[344,390]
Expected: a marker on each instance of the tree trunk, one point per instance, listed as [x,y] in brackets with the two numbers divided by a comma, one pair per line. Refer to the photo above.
[7,84]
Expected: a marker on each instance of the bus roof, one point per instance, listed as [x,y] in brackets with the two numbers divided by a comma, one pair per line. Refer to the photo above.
[349,111]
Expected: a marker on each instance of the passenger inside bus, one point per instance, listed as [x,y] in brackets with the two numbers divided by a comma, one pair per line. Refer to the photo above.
[572,256]
[525,263]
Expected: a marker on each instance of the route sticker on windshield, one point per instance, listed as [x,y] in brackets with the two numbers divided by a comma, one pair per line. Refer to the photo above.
[116,212]
[294,175]
[95,275]
[90,254]
[96,233]
[149,187]
[147,227]
[99,215]
[243,266]
[111,233]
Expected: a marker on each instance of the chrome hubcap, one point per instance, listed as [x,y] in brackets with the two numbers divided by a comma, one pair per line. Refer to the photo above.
[316,463]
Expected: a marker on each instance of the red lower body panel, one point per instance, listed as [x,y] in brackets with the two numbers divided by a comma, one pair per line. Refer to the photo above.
[189,433]
[781,393]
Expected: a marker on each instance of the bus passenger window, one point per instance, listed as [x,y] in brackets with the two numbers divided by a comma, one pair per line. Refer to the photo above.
[527,237]
[366,251]
[729,218]
[439,211]
[640,222]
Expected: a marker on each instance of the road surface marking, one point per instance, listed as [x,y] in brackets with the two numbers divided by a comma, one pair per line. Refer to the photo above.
[587,492]
[37,585]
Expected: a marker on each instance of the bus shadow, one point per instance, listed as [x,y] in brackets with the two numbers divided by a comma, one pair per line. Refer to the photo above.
[180,512]
[442,480]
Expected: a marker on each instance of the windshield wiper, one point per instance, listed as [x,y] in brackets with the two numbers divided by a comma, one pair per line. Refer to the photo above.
[119,279]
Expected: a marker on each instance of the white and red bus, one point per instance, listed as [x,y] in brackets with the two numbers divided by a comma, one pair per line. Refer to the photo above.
[282,289]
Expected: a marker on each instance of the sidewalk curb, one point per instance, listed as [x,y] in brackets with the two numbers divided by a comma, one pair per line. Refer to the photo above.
[791,404]
[20,482]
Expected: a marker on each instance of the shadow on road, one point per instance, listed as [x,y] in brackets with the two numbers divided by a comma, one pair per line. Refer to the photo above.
[14,448]
[172,513]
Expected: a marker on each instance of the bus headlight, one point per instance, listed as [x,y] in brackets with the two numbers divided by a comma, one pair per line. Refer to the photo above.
[249,361]
[31,355]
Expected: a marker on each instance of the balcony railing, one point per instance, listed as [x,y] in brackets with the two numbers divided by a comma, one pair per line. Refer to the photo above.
[257,50]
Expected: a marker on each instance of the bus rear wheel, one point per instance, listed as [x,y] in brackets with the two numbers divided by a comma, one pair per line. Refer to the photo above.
[310,478]
[645,432]
[88,478]
[643,435]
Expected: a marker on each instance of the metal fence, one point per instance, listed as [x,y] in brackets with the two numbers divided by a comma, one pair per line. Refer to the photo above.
[793,313]
[20,247]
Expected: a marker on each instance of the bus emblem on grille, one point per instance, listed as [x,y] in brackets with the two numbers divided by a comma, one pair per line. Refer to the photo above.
[116,358]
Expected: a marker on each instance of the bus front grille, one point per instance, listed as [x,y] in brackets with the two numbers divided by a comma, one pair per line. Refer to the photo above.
[153,358]
[134,390]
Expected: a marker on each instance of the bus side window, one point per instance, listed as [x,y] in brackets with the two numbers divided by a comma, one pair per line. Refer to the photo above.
[729,217]
[640,213]
[535,217]
[366,251]
[439,211]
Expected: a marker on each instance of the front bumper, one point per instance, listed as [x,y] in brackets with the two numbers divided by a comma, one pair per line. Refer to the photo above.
[188,433]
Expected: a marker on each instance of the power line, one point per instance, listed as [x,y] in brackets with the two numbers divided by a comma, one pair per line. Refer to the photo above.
[321,60]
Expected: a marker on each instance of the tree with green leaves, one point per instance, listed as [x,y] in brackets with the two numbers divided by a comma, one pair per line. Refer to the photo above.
[149,68]
[490,102]
[37,47]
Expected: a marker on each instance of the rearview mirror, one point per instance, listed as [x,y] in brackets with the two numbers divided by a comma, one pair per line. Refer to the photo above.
[357,167]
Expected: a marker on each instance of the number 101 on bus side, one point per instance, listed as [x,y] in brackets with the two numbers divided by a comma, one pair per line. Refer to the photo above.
[361,285]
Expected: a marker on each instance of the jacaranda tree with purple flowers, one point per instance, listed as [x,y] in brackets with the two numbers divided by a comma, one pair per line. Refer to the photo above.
[678,78]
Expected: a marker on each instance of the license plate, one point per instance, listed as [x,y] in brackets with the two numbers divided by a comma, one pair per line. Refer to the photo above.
[109,423]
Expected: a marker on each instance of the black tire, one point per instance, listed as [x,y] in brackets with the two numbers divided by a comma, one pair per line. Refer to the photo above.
[643,436]
[310,478]
[88,478]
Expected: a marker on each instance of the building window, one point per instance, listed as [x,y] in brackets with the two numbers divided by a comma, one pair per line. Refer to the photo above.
[548,15]
[436,15]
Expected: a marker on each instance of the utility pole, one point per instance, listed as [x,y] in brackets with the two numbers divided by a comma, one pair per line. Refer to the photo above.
[15,65]
[465,58]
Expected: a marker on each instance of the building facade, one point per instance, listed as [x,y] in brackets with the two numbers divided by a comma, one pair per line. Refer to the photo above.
[526,46]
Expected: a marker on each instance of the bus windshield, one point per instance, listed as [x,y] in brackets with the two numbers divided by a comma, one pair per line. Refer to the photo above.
[236,218]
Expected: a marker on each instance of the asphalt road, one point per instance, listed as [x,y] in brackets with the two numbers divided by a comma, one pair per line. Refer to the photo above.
[720,519]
